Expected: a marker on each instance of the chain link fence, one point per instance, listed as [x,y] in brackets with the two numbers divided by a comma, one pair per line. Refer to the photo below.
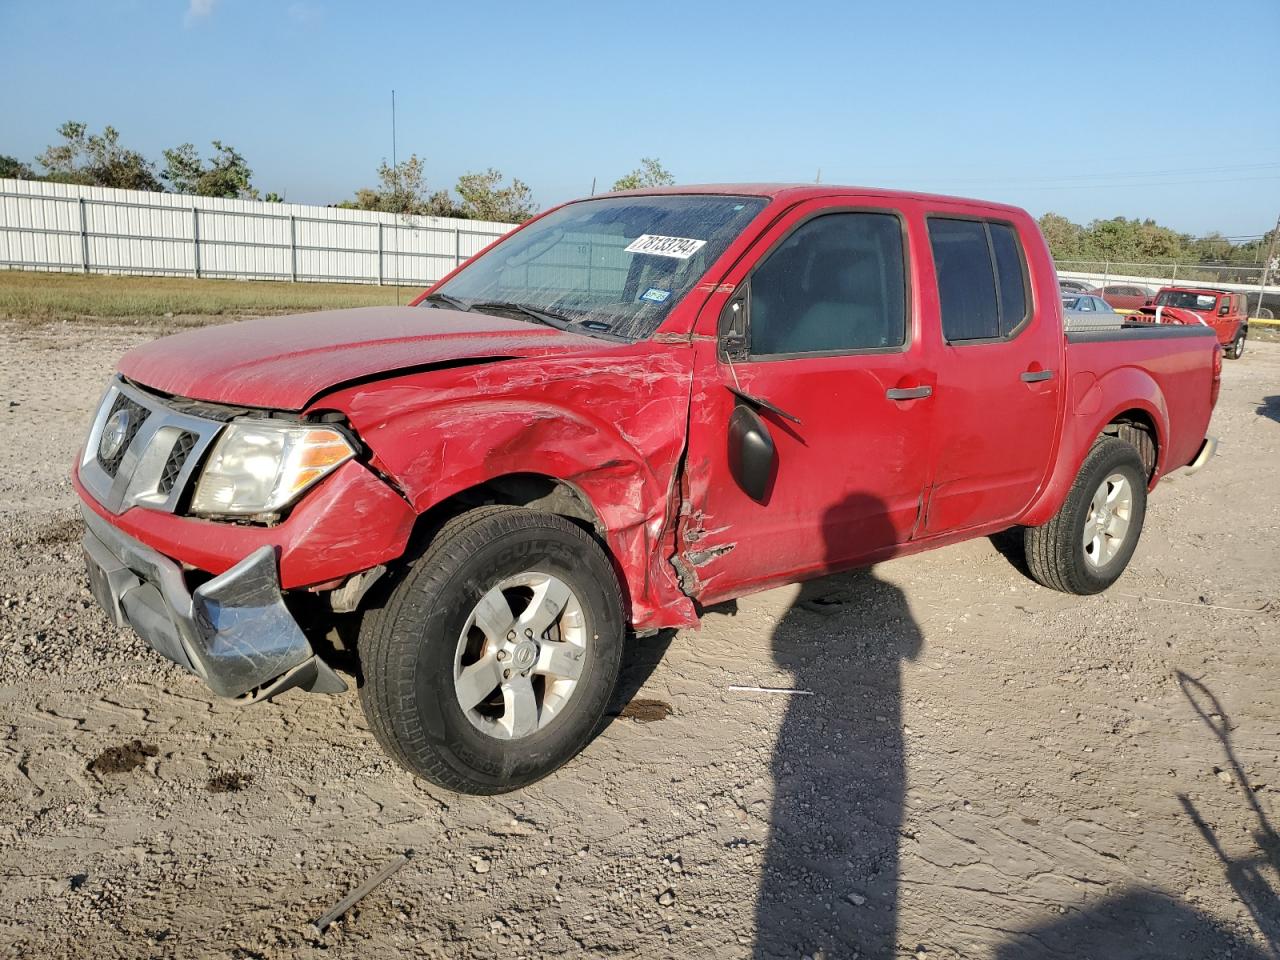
[1238,278]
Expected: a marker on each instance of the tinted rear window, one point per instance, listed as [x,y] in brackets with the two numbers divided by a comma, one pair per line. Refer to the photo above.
[982,285]
[966,284]
[1013,286]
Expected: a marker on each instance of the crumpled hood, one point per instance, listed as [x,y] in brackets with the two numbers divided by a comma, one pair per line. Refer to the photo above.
[283,363]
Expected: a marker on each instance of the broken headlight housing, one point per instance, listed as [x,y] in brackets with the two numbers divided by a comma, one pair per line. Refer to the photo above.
[260,466]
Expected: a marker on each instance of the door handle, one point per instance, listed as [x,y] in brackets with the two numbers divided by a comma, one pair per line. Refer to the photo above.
[1035,376]
[909,393]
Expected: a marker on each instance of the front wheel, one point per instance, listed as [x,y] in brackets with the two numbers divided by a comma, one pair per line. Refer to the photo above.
[494,656]
[1235,350]
[1089,541]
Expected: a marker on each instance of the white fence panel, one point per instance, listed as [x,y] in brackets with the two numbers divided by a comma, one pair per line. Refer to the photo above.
[64,227]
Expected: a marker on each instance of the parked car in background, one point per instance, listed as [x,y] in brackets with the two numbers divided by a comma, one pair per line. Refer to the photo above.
[1073,286]
[1123,296]
[1226,313]
[1086,312]
[625,411]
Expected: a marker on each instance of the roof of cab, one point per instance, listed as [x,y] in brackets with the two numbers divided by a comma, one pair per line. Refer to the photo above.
[799,192]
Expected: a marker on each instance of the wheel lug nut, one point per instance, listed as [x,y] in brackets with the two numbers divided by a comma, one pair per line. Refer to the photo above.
[506,674]
[511,635]
[528,633]
[502,654]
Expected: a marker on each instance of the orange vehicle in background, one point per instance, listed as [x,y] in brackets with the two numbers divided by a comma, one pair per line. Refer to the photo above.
[1226,313]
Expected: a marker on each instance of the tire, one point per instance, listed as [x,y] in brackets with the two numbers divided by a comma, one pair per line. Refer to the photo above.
[420,648]
[1235,350]
[1058,555]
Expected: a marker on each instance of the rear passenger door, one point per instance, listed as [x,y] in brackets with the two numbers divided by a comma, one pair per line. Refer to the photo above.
[998,380]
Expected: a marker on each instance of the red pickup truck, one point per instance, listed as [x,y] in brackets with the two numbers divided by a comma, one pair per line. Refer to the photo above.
[1224,312]
[630,408]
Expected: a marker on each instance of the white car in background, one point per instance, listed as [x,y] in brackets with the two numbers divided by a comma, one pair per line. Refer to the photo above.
[1086,311]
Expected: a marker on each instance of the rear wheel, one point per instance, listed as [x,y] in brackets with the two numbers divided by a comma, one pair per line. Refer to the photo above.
[494,657]
[1090,540]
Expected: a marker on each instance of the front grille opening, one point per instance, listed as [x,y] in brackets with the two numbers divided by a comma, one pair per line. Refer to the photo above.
[136,417]
[182,448]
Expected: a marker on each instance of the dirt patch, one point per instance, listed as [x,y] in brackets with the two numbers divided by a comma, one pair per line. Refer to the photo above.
[122,759]
[984,768]
[646,711]
[58,531]
[230,782]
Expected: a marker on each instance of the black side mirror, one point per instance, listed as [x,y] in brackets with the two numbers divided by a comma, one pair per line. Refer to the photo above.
[753,458]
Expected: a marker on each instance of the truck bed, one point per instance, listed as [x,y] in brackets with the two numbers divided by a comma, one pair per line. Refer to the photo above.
[1171,370]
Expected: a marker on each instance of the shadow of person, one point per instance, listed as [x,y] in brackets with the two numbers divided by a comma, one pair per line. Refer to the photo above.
[829,886]
[1146,924]
[1270,408]
[1256,877]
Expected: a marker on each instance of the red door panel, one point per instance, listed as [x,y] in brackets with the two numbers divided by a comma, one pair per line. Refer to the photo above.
[998,396]
[851,474]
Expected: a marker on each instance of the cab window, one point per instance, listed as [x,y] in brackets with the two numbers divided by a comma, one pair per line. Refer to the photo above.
[982,284]
[837,284]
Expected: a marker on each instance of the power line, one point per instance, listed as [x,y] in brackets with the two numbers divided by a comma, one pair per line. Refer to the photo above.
[1060,178]
[1149,183]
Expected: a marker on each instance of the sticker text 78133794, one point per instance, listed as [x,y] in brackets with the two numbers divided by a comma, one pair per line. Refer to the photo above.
[682,248]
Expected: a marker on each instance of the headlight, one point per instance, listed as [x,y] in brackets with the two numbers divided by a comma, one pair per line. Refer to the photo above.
[258,466]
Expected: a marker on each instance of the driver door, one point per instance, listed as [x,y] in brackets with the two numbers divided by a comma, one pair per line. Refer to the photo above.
[819,351]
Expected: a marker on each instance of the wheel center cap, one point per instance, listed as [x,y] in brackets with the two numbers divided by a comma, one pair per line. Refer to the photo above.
[524,655]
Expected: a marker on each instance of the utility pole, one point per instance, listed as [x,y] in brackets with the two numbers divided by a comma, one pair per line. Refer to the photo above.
[395,185]
[1266,263]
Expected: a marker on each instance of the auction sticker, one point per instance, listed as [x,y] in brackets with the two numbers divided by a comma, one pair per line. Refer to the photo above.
[682,248]
[655,295]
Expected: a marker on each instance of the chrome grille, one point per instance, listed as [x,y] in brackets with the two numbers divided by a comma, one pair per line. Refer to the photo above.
[133,417]
[141,451]
[182,448]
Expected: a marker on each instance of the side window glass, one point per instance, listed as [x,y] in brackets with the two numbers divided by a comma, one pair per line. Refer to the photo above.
[966,282]
[1013,284]
[837,283]
[982,285]
[1086,303]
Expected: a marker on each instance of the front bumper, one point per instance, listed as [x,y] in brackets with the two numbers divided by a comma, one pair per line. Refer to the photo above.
[234,631]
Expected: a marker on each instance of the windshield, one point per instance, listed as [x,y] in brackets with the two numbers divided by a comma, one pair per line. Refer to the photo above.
[1186,300]
[614,266]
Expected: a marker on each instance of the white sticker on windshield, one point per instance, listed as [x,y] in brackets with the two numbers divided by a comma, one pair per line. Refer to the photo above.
[655,295]
[682,248]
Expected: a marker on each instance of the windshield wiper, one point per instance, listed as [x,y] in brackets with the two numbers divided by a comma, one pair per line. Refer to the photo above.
[539,316]
[451,301]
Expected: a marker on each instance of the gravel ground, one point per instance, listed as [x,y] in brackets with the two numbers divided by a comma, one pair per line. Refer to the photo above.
[984,768]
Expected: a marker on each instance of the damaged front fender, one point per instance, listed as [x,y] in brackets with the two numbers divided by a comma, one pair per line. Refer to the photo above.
[613,426]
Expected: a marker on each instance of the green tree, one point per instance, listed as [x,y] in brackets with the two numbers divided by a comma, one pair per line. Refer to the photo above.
[403,189]
[650,173]
[1063,235]
[15,169]
[484,198]
[226,175]
[97,159]
[273,197]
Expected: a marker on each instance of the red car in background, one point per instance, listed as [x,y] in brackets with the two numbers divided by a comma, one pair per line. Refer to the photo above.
[1123,296]
[1226,313]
